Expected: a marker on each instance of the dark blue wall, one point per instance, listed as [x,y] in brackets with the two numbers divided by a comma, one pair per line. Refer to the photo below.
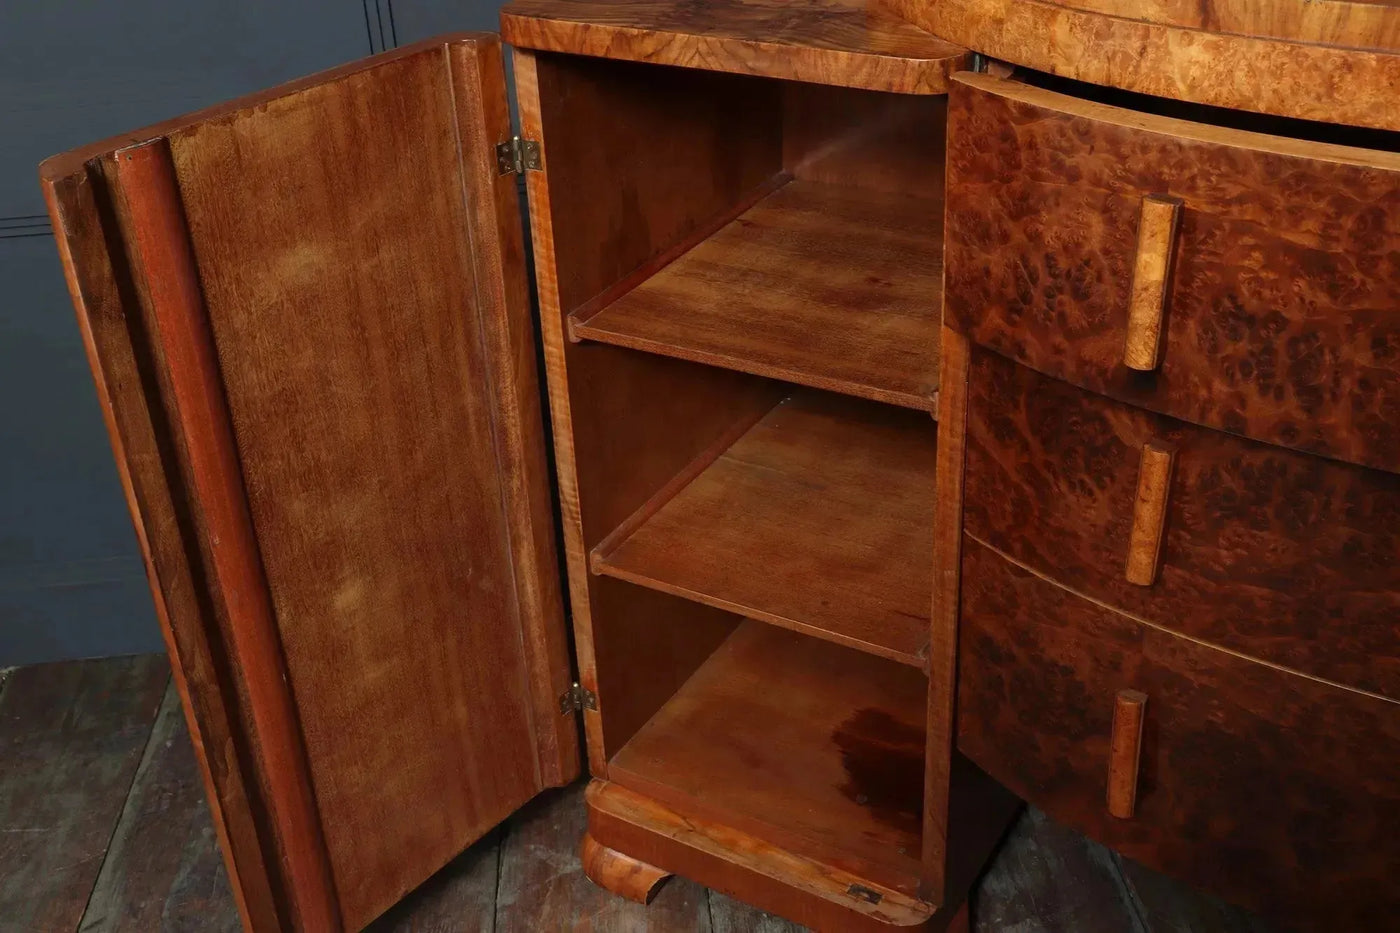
[71,579]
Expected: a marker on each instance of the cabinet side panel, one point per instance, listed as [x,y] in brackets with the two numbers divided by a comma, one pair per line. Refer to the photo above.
[635,160]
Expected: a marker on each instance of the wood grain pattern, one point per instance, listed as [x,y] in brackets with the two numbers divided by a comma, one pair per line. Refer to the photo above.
[1356,23]
[749,867]
[414,526]
[1149,514]
[163,260]
[314,365]
[813,747]
[852,43]
[115,328]
[823,285]
[1273,790]
[71,738]
[1156,242]
[728,915]
[618,873]
[1125,753]
[943,628]
[1282,324]
[163,869]
[1277,555]
[1048,878]
[460,898]
[507,327]
[636,159]
[543,885]
[1308,79]
[883,143]
[817,519]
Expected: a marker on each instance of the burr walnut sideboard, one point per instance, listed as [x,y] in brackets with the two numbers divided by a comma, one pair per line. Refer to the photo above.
[926,430]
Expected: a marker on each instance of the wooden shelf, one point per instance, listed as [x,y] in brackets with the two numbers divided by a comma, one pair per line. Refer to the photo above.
[822,285]
[854,43]
[809,746]
[819,518]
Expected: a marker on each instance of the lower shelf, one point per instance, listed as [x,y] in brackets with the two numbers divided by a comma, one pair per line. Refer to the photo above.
[819,518]
[814,748]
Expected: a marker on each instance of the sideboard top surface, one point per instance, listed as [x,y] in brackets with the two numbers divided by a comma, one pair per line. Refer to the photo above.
[1332,61]
[852,43]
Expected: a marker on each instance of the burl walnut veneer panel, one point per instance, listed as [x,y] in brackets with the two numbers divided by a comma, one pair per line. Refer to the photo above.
[1283,556]
[1295,58]
[1283,310]
[1276,791]
[853,43]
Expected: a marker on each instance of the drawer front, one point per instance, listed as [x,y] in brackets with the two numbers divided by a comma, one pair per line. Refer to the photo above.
[1276,791]
[1278,315]
[1283,556]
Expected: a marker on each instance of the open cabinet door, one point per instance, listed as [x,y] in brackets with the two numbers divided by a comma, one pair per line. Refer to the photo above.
[308,319]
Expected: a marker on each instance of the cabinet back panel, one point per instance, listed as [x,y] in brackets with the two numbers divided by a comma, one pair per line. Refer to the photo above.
[865,139]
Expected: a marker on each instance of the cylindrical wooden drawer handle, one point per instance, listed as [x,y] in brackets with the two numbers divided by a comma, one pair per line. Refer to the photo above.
[1125,751]
[1149,514]
[1151,269]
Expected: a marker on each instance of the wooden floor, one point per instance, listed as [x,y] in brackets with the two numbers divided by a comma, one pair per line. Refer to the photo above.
[103,826]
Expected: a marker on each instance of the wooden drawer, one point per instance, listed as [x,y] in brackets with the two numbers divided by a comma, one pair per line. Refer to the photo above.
[1287,557]
[1276,791]
[1282,279]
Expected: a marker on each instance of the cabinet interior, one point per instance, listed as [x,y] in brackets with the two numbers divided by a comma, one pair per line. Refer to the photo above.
[748,279]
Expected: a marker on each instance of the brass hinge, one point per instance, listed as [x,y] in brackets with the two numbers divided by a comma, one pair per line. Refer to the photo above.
[577,698]
[516,156]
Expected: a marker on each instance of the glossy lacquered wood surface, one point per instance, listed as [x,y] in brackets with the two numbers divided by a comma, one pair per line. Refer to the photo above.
[853,43]
[825,285]
[392,537]
[818,518]
[1354,24]
[621,874]
[1281,310]
[1276,791]
[1335,61]
[1282,556]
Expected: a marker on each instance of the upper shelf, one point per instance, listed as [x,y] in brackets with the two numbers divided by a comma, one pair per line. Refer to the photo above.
[822,285]
[852,43]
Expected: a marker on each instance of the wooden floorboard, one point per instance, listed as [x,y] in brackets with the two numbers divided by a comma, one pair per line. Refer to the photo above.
[164,870]
[1168,906]
[542,885]
[1048,879]
[71,737]
[93,756]
[730,916]
[460,898]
